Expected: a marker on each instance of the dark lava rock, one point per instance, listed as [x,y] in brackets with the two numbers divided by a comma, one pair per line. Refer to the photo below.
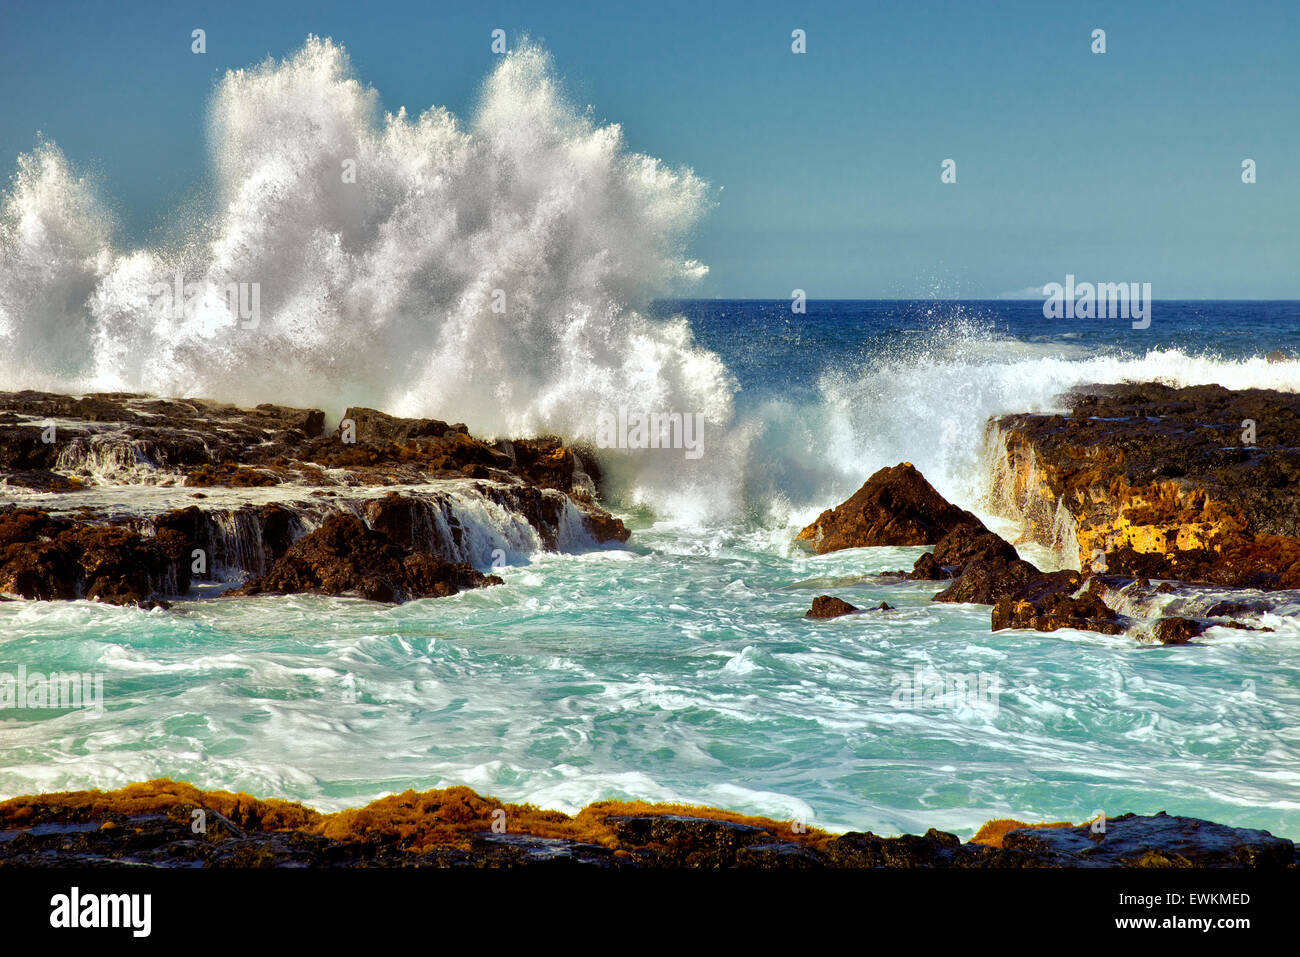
[1196,484]
[689,841]
[927,569]
[933,849]
[54,834]
[896,506]
[374,427]
[984,582]
[827,606]
[1159,840]
[972,545]
[58,559]
[1086,613]
[1177,631]
[344,557]
[966,543]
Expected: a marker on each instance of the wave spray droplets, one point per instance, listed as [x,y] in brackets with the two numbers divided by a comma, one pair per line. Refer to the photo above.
[496,274]
[379,291]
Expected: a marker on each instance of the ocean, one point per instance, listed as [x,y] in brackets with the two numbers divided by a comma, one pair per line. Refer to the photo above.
[520,271]
[680,668]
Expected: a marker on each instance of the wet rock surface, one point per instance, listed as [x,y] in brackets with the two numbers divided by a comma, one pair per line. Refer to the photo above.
[1158,840]
[345,557]
[980,567]
[77,446]
[895,506]
[60,559]
[162,824]
[1195,484]
[828,606]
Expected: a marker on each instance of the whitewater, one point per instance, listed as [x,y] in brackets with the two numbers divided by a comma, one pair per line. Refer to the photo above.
[678,667]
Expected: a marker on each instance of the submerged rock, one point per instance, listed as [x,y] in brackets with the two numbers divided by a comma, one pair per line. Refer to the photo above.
[895,506]
[344,557]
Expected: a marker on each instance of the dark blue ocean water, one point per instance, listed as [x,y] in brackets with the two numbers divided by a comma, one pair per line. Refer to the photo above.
[771,349]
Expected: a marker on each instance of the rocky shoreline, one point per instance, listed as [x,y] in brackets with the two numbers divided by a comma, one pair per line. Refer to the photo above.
[130,499]
[1196,484]
[1139,483]
[168,824]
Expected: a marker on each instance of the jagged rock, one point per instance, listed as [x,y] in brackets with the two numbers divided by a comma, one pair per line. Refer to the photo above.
[379,428]
[864,849]
[344,557]
[966,543]
[927,569]
[827,606]
[1196,484]
[984,582]
[1175,630]
[1159,840]
[1086,613]
[896,506]
[56,559]
[130,439]
[149,824]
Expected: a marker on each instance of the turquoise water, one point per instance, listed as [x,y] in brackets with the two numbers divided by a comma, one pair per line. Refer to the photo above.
[680,669]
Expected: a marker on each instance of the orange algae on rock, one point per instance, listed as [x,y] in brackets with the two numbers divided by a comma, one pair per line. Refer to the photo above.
[160,795]
[991,833]
[418,821]
[414,821]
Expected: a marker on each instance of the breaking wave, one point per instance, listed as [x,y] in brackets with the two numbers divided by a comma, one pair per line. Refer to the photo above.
[495,272]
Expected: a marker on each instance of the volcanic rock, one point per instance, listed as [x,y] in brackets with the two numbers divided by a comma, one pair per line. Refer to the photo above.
[58,559]
[1197,484]
[344,557]
[827,606]
[984,581]
[149,824]
[1176,630]
[895,506]
[1086,613]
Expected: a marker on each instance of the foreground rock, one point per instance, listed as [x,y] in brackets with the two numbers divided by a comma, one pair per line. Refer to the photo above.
[344,557]
[153,824]
[896,506]
[828,606]
[1198,484]
[220,493]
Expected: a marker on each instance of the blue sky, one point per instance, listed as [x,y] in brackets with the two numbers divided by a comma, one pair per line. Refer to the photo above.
[1122,166]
